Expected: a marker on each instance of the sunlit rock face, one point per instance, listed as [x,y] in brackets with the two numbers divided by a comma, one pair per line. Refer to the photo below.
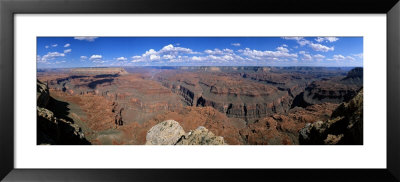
[171,133]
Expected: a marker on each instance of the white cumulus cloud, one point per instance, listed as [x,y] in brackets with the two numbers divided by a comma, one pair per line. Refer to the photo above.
[87,38]
[339,57]
[172,50]
[360,55]
[218,51]
[83,58]
[168,52]
[154,57]
[167,56]
[292,38]
[282,49]
[300,40]
[319,57]
[121,59]
[326,39]
[305,56]
[315,46]
[236,44]
[49,56]
[95,57]
[67,45]
[67,50]
[280,54]
[320,47]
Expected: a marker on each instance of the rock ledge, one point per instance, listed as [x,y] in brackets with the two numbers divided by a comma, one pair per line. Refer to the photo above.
[169,132]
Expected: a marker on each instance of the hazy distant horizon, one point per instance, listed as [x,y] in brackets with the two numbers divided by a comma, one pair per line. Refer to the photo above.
[80,52]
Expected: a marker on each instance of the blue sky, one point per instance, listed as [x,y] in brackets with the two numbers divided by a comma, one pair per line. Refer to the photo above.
[65,52]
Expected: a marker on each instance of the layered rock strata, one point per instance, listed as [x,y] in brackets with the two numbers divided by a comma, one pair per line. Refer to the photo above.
[344,127]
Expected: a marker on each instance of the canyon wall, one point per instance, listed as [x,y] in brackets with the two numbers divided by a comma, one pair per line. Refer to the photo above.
[334,90]
[344,127]
[53,130]
[233,96]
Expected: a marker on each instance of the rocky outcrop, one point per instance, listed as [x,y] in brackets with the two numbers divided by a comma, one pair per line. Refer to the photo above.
[345,126]
[356,73]
[249,111]
[42,94]
[283,129]
[118,114]
[165,133]
[52,130]
[171,133]
[190,118]
[200,136]
[57,131]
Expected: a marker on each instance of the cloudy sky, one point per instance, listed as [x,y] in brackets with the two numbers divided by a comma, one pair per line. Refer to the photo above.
[57,52]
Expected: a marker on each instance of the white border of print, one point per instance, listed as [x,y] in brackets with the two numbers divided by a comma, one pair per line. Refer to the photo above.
[371,155]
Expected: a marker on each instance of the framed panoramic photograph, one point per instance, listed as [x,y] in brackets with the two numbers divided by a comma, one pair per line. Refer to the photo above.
[159,91]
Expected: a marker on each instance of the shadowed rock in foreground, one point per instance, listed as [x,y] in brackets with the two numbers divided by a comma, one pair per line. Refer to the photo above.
[42,94]
[344,128]
[169,132]
[52,130]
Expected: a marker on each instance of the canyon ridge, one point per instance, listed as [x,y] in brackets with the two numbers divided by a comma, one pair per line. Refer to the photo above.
[224,105]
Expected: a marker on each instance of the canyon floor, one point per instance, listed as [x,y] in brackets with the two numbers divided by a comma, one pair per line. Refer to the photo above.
[239,105]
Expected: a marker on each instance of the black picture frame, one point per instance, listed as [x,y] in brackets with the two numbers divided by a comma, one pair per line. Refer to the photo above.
[9,8]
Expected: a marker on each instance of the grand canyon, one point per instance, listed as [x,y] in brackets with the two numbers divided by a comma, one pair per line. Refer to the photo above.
[200,105]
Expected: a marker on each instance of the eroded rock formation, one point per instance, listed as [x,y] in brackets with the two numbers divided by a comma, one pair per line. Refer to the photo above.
[200,136]
[42,94]
[165,133]
[344,127]
[171,133]
[229,94]
[334,90]
[52,130]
